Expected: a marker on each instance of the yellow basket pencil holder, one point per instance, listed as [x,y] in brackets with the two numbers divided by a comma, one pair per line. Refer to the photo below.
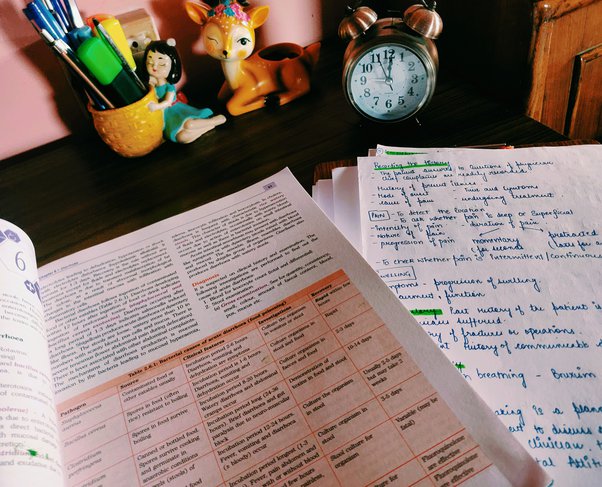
[133,130]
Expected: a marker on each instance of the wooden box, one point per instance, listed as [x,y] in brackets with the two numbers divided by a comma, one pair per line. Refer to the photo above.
[543,54]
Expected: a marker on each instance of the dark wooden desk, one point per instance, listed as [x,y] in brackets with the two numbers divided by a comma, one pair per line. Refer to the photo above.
[75,193]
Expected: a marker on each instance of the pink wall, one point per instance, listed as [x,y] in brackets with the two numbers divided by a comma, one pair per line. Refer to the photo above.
[38,105]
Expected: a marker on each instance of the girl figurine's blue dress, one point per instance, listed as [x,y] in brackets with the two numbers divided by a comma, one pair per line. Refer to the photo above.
[177,114]
[181,122]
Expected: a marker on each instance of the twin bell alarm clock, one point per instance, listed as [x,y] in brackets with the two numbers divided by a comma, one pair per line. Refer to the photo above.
[390,65]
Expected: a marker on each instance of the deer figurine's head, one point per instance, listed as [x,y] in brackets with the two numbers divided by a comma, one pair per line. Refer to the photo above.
[228,30]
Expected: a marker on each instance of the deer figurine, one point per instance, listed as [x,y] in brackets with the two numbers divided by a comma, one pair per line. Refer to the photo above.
[275,75]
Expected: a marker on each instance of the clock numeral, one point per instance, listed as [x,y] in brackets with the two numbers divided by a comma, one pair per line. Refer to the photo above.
[411,91]
[376,98]
[366,67]
[367,92]
[414,79]
[401,101]
[389,103]
[389,55]
[363,80]
[375,57]
[411,66]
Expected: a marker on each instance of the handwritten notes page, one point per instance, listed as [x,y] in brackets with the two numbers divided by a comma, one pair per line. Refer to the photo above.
[498,254]
[29,445]
[247,343]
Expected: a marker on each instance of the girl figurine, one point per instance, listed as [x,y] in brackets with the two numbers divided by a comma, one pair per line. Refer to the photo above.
[181,123]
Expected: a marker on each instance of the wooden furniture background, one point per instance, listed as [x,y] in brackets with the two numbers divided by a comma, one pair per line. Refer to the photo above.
[76,192]
[585,105]
[546,54]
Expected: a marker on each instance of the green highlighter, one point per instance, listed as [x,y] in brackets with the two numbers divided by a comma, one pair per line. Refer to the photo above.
[102,63]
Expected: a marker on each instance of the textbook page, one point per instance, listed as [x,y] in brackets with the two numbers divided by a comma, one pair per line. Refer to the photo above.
[247,343]
[29,445]
[498,254]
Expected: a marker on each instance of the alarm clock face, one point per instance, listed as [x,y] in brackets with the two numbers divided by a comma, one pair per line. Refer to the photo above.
[389,82]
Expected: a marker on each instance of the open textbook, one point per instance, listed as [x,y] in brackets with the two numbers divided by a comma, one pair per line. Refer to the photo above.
[243,343]
[498,254]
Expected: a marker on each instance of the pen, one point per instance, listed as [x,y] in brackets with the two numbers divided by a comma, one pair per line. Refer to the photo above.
[40,16]
[48,4]
[78,31]
[59,13]
[64,51]
[104,35]
[101,62]
[73,10]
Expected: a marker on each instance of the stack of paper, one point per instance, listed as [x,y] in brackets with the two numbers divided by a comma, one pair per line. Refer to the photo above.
[498,255]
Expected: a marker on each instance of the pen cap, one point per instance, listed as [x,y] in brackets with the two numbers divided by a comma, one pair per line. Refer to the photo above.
[100,17]
[113,28]
[99,59]
[126,88]
[78,35]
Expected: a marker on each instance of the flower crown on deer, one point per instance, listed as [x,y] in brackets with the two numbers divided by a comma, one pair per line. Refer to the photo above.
[230,8]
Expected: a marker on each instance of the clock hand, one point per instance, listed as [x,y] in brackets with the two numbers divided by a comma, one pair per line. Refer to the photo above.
[389,79]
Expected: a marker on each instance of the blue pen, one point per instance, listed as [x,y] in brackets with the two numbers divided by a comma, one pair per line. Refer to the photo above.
[32,12]
[37,13]
[57,16]
[48,14]
[73,12]
[61,15]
